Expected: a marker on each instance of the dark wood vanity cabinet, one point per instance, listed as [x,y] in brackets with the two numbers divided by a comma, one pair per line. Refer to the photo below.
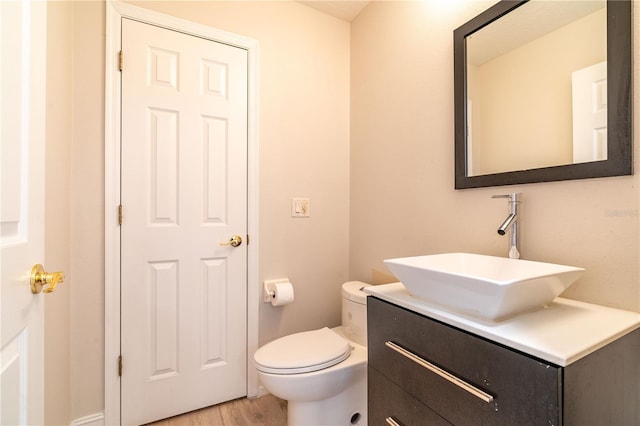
[423,372]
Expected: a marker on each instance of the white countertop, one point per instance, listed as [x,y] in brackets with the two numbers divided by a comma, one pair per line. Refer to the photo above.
[561,333]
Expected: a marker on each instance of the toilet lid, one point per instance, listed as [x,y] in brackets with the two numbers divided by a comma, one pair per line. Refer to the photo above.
[302,352]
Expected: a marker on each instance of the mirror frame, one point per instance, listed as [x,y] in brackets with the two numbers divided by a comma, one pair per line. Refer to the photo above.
[619,160]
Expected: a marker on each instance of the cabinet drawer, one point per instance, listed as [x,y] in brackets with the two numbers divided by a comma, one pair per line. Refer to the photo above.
[517,389]
[389,403]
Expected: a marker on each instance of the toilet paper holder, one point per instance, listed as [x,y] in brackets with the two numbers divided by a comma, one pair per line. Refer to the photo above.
[269,288]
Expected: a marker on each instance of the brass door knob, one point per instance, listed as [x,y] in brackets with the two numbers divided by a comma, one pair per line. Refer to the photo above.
[40,278]
[235,241]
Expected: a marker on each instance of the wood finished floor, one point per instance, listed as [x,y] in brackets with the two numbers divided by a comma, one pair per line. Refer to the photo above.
[266,410]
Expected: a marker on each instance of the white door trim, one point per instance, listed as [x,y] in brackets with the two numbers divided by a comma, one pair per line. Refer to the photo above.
[114,13]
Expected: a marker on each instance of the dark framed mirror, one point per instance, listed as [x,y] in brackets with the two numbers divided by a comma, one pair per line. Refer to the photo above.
[579,127]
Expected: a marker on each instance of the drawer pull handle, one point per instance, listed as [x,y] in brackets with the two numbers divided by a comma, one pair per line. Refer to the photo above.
[440,372]
[392,422]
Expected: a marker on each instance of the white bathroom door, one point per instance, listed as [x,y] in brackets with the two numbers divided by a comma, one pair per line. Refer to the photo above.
[183,196]
[589,94]
[22,206]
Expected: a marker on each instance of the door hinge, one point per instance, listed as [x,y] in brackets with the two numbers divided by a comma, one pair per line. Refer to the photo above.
[120,366]
[120,60]
[120,214]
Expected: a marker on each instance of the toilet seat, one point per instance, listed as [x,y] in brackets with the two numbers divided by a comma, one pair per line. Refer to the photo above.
[302,352]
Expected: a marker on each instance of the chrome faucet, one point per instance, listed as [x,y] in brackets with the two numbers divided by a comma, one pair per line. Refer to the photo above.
[511,222]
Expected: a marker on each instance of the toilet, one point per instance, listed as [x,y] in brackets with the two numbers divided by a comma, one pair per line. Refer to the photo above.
[322,373]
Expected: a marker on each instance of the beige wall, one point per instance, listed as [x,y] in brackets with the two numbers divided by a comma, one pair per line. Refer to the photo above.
[87,209]
[57,215]
[402,197]
[304,152]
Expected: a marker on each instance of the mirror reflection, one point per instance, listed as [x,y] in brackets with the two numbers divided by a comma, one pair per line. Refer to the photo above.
[537,88]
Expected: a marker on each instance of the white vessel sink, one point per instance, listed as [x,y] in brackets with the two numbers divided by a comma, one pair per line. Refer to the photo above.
[488,287]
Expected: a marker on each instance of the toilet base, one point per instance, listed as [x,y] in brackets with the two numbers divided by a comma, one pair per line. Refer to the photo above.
[348,408]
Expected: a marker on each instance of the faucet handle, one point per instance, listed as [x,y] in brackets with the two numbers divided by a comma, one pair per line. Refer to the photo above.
[513,196]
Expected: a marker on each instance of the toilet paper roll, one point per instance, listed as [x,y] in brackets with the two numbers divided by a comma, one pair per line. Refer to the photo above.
[284,294]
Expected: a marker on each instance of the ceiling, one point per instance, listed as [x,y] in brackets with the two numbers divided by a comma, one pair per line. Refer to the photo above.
[345,10]
[524,24]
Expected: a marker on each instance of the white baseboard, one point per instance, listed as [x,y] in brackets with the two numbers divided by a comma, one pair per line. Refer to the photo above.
[96,419]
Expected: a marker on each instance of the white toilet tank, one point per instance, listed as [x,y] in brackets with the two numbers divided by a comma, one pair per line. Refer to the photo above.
[354,311]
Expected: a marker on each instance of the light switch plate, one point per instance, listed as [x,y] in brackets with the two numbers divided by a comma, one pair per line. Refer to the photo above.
[300,207]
